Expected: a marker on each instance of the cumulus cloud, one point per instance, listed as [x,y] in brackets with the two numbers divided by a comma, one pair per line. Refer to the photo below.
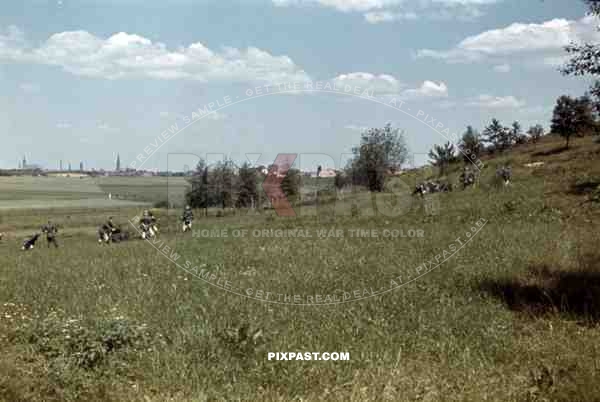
[380,11]
[355,127]
[544,40]
[388,85]
[341,5]
[377,17]
[124,55]
[496,102]
[428,89]
[381,84]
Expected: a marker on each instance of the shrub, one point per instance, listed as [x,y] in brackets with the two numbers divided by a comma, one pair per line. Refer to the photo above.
[70,341]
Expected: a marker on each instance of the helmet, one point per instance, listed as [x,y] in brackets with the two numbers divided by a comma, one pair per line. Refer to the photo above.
[145,212]
[187,207]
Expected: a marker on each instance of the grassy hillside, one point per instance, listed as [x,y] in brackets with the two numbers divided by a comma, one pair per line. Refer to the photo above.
[512,316]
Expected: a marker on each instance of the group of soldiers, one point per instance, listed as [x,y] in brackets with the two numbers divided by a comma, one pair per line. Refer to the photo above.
[110,232]
[467,179]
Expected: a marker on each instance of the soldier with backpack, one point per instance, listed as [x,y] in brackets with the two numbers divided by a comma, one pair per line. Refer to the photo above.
[51,231]
[187,218]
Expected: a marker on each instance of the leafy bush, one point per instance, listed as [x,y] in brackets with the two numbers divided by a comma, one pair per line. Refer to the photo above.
[80,346]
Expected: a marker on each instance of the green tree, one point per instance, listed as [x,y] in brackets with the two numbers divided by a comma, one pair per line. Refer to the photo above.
[535,133]
[497,135]
[222,184]
[291,184]
[516,134]
[572,116]
[247,186]
[585,59]
[197,196]
[470,145]
[442,156]
[381,150]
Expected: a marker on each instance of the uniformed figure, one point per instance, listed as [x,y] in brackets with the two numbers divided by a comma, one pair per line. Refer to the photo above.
[153,222]
[146,224]
[103,233]
[107,231]
[51,231]
[30,242]
[467,177]
[110,224]
[505,173]
[187,218]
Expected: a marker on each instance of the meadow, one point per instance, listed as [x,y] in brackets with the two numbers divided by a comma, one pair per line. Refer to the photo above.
[512,316]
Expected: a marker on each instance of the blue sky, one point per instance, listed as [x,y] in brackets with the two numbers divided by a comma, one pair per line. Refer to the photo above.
[85,79]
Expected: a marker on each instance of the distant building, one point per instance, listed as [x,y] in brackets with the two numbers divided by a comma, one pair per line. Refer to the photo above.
[118,167]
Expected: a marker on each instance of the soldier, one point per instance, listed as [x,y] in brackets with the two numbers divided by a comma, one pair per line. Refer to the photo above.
[107,231]
[505,173]
[420,189]
[29,242]
[103,233]
[114,229]
[467,177]
[146,225]
[187,218]
[51,232]
[154,222]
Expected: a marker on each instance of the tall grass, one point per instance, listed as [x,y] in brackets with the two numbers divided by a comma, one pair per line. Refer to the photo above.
[121,322]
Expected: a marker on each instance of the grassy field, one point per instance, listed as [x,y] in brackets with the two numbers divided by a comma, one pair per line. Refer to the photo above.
[512,316]
[87,192]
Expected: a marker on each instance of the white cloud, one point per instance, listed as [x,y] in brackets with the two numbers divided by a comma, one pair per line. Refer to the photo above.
[355,127]
[381,84]
[124,55]
[341,5]
[502,68]
[496,102]
[376,17]
[546,40]
[379,11]
[389,86]
[461,12]
[428,89]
